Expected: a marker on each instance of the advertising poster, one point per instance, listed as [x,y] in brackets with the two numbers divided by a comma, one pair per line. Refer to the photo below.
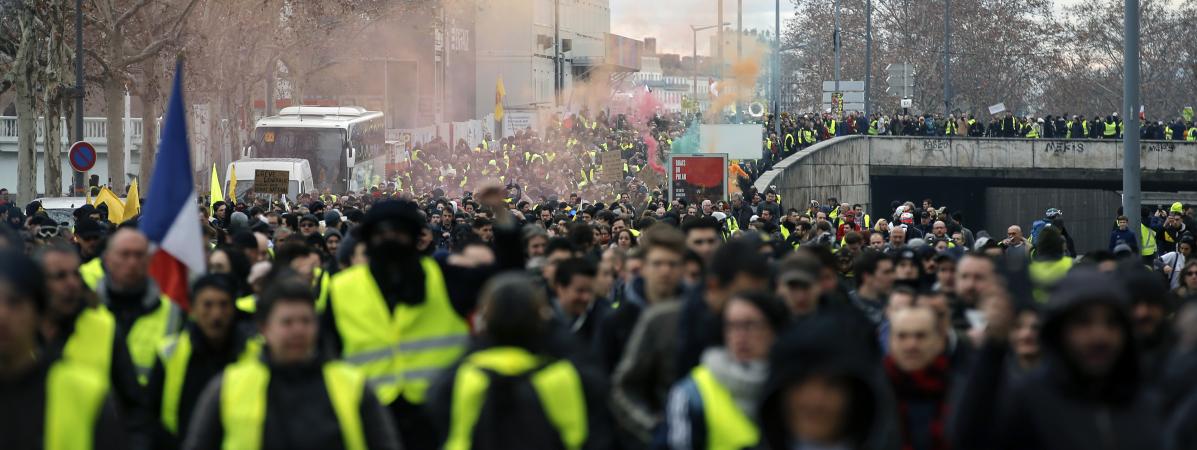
[698,177]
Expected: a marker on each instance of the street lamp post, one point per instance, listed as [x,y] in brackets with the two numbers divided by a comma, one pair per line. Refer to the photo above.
[79,183]
[776,72]
[694,60]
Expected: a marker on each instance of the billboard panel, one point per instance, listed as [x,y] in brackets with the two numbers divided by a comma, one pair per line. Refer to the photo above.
[698,177]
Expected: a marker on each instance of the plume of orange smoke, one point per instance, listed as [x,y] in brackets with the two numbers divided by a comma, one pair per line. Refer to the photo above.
[740,87]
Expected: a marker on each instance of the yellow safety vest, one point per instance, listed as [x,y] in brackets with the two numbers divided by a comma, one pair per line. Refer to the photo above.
[247,304]
[1146,241]
[557,384]
[1111,129]
[403,350]
[1192,135]
[728,428]
[91,272]
[243,403]
[74,398]
[175,354]
[147,334]
[1045,274]
[91,343]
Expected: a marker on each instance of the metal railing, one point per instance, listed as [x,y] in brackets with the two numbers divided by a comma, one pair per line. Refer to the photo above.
[94,129]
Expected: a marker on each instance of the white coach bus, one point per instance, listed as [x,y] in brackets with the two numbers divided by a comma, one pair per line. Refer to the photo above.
[345,146]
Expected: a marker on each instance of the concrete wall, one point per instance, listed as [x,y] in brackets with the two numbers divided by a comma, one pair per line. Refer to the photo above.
[982,153]
[997,182]
[836,168]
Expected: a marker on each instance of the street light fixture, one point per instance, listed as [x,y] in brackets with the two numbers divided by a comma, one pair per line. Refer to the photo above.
[694,60]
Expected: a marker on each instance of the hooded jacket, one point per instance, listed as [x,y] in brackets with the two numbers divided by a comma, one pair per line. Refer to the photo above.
[1055,406]
[817,347]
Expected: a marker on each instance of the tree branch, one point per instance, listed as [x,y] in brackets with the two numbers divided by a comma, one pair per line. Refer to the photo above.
[124,17]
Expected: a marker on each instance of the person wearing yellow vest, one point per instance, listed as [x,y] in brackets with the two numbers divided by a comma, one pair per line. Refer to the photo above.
[1049,264]
[397,319]
[715,405]
[305,261]
[86,334]
[289,396]
[187,362]
[518,389]
[144,315]
[48,403]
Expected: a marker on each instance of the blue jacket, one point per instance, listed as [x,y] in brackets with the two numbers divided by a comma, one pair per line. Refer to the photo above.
[1125,236]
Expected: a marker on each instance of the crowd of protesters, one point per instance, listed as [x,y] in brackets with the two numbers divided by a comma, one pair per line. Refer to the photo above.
[503,318]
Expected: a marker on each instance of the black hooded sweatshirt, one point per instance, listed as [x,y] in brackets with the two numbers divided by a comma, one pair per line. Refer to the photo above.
[1055,406]
[818,347]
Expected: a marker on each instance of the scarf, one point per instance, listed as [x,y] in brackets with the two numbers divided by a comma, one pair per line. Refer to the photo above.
[743,380]
[930,383]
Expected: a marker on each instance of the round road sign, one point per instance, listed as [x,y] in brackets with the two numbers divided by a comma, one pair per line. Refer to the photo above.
[82,156]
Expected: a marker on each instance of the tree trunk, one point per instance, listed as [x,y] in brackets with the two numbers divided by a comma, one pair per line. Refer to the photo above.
[114,104]
[26,143]
[52,155]
[149,124]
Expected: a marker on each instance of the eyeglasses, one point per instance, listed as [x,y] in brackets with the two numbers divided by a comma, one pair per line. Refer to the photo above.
[307,225]
[1191,273]
[47,232]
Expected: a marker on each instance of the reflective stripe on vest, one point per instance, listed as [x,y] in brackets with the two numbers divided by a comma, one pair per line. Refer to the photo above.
[727,426]
[148,332]
[91,343]
[403,350]
[1045,274]
[175,354]
[91,272]
[74,396]
[558,387]
[243,403]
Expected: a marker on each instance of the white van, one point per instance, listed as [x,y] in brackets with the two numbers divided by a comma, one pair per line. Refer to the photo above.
[299,174]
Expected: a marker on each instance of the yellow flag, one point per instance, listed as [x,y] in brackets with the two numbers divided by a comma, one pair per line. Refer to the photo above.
[216,195]
[132,201]
[499,94]
[233,183]
[116,208]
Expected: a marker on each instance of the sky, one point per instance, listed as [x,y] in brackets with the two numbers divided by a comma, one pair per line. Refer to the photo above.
[669,20]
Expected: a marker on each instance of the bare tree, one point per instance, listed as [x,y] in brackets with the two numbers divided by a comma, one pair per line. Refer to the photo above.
[1087,78]
[129,38]
[996,51]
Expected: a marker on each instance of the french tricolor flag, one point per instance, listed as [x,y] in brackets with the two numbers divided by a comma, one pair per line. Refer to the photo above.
[170,218]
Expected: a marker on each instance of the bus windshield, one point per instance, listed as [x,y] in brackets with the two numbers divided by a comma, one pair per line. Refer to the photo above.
[322,147]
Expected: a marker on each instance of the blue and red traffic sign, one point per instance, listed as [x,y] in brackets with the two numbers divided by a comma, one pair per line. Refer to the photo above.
[82,156]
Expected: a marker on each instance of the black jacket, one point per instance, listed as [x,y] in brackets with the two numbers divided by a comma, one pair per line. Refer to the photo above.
[23,412]
[1054,406]
[299,414]
[817,346]
[512,416]
[615,328]
[206,362]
